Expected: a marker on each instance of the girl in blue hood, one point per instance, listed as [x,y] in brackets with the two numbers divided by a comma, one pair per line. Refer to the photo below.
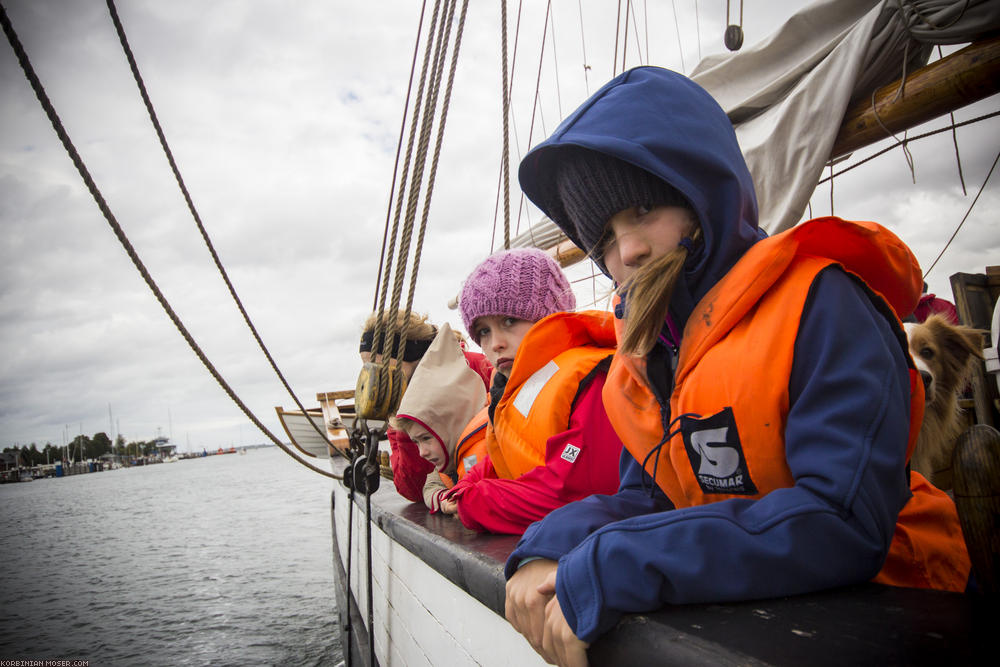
[762,386]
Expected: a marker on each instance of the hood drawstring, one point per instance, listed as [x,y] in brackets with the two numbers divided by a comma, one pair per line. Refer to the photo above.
[668,435]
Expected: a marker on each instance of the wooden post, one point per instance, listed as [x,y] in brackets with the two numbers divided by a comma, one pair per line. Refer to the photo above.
[976,465]
[975,296]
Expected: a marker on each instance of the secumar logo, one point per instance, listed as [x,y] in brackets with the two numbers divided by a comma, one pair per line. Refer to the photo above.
[716,455]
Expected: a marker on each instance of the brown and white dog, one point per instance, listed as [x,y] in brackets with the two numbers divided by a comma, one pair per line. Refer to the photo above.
[944,354]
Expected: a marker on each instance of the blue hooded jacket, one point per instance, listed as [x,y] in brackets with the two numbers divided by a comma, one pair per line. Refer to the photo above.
[845,437]
[666,124]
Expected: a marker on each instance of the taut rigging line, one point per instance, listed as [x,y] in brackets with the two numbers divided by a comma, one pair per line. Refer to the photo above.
[381,382]
[194,212]
[102,204]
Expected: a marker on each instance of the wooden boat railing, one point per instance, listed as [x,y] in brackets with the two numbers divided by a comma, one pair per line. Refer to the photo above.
[863,624]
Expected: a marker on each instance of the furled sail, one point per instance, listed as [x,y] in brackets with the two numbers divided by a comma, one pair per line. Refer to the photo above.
[787,116]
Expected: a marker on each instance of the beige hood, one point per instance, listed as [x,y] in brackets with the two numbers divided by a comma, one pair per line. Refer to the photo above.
[444,394]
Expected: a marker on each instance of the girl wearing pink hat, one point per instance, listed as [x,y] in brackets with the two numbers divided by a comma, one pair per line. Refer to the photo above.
[548,440]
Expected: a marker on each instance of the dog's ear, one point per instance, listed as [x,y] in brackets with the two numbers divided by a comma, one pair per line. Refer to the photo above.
[964,342]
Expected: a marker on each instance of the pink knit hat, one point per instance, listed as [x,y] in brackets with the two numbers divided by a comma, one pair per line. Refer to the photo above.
[524,283]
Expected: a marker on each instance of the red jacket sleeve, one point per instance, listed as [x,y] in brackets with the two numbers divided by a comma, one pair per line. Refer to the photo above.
[409,469]
[482,470]
[580,461]
[479,363]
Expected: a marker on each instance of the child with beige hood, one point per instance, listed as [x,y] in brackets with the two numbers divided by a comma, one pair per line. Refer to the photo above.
[442,397]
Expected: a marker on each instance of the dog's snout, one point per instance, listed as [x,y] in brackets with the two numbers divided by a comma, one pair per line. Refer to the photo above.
[927,378]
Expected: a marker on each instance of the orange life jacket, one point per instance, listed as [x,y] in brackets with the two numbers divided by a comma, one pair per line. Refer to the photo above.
[553,359]
[736,356]
[471,448]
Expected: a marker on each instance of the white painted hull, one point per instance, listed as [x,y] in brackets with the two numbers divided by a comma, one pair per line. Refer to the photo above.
[420,617]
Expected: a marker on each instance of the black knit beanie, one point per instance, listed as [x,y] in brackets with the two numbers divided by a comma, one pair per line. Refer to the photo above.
[592,187]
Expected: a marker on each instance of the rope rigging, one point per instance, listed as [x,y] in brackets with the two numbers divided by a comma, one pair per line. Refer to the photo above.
[399,147]
[119,233]
[618,21]
[133,66]
[535,103]
[964,217]
[381,385]
[505,154]
[381,382]
[947,128]
[951,127]
[583,46]
[677,29]
[628,6]
[508,125]
[384,331]
[954,138]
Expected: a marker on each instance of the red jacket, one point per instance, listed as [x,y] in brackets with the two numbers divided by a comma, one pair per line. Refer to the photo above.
[489,504]
[550,441]
[930,304]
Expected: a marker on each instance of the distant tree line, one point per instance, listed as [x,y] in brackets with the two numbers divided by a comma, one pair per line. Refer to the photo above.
[81,448]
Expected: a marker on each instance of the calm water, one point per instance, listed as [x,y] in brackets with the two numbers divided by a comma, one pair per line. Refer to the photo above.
[220,560]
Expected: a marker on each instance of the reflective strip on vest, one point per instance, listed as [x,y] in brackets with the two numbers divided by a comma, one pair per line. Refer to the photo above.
[533,386]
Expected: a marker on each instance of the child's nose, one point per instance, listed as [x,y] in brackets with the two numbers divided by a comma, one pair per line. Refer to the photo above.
[632,248]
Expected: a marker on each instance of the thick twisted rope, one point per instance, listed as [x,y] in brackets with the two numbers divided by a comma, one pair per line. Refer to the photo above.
[437,154]
[119,233]
[505,164]
[421,161]
[197,218]
[399,150]
[384,331]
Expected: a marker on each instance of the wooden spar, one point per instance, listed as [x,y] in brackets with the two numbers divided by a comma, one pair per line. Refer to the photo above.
[566,253]
[953,82]
[950,83]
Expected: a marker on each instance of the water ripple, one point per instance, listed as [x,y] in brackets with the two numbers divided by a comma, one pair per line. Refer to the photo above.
[222,560]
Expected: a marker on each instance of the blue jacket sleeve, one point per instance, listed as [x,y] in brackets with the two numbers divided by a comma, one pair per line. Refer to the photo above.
[845,443]
[564,528]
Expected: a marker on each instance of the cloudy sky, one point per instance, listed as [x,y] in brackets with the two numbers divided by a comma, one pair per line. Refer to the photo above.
[283,118]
